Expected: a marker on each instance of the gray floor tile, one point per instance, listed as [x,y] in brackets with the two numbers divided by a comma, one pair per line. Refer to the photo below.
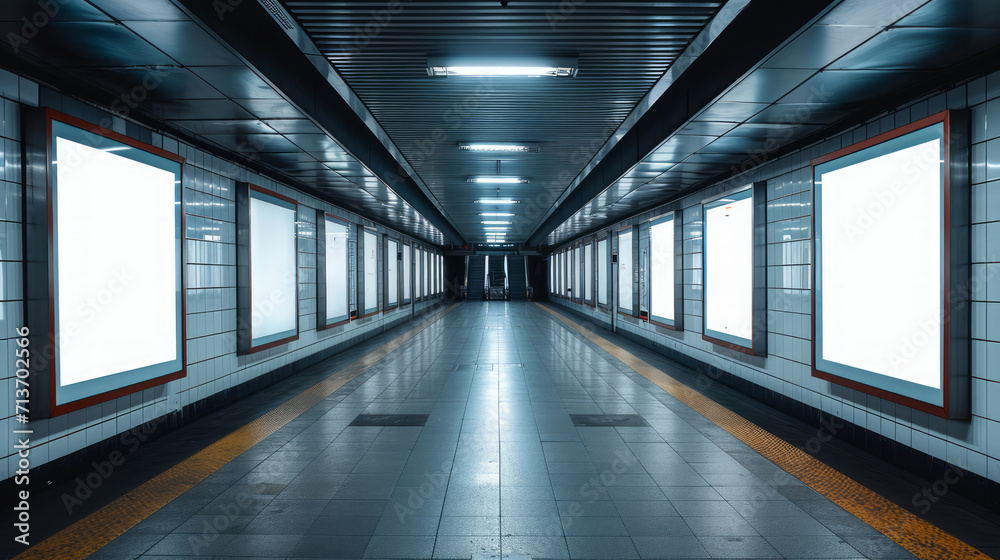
[535,546]
[739,547]
[812,547]
[669,547]
[390,546]
[619,548]
[465,546]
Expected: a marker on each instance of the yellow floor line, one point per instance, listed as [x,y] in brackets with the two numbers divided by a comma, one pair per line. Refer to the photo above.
[921,538]
[91,533]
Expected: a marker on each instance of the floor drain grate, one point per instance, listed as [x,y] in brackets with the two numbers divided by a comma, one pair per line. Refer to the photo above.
[390,420]
[612,420]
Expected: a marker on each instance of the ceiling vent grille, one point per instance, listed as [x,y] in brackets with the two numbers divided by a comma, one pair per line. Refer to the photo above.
[279,14]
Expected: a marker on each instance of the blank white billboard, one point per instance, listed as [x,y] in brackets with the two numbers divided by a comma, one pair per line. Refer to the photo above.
[392,273]
[407,273]
[588,272]
[662,282]
[116,227]
[880,272]
[273,289]
[336,270]
[728,261]
[625,271]
[370,248]
[602,272]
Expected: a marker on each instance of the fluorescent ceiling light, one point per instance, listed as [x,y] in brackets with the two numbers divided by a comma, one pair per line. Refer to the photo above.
[497,201]
[490,66]
[496,223]
[494,147]
[495,214]
[488,228]
[498,180]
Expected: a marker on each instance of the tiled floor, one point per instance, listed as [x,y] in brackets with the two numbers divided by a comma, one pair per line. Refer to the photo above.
[499,467]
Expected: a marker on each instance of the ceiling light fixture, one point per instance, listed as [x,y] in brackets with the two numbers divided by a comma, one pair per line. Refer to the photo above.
[497,201]
[496,223]
[492,179]
[494,66]
[495,214]
[493,147]
[495,228]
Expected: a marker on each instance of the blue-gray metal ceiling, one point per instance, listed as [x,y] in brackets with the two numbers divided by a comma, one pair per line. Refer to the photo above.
[857,59]
[623,48]
[669,96]
[153,59]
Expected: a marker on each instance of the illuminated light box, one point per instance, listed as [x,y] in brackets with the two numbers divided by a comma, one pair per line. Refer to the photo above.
[115,300]
[417,272]
[665,293]
[734,288]
[886,263]
[602,272]
[332,266]
[267,273]
[369,271]
[407,273]
[391,274]
[577,266]
[427,270]
[588,273]
[626,271]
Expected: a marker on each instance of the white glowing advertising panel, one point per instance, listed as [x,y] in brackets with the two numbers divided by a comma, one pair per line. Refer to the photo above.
[337,291]
[577,272]
[728,265]
[602,272]
[407,273]
[427,273]
[273,286]
[662,282]
[369,246]
[417,272]
[392,273]
[625,271]
[881,282]
[116,289]
[588,273]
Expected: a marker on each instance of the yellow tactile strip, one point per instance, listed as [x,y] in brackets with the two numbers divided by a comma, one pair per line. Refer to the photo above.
[88,535]
[921,538]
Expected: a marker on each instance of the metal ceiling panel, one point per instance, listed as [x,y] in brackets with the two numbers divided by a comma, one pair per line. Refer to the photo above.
[186,41]
[238,82]
[917,49]
[954,13]
[623,48]
[857,55]
[165,82]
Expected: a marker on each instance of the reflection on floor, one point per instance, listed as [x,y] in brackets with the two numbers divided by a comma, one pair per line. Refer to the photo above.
[535,441]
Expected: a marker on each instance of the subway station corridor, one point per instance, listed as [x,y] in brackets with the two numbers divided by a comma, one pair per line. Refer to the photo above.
[499,279]
[535,442]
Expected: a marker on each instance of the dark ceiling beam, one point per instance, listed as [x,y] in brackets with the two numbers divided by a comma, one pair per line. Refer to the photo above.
[251,31]
[760,27]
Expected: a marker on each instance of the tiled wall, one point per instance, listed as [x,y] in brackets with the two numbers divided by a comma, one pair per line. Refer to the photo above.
[973,445]
[210,251]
